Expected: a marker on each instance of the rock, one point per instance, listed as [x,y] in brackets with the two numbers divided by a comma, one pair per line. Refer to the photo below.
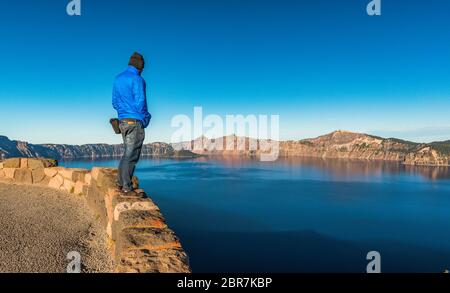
[2,173]
[9,172]
[23,176]
[88,178]
[113,192]
[95,198]
[56,182]
[41,163]
[85,189]
[68,186]
[135,181]
[79,188]
[153,261]
[147,238]
[38,175]
[80,175]
[95,171]
[106,178]
[73,174]
[12,163]
[137,204]
[110,220]
[44,182]
[66,173]
[138,219]
[140,191]
[143,219]
[50,172]
[427,156]
[24,163]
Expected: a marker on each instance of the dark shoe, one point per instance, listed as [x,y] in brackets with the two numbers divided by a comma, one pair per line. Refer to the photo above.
[118,186]
[131,194]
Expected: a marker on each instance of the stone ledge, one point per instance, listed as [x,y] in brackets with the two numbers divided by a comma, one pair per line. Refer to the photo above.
[141,242]
[147,238]
[153,261]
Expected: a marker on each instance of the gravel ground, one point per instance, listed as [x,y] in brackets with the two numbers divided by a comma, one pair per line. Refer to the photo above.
[40,226]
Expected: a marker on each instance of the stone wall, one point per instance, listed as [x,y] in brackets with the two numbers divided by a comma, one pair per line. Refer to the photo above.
[140,240]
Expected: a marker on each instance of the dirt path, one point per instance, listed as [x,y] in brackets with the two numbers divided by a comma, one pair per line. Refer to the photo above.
[40,226]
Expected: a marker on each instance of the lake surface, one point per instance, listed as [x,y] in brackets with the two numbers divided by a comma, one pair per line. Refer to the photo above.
[301,215]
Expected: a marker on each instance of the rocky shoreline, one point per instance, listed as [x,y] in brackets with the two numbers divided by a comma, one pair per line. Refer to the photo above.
[336,145]
[348,145]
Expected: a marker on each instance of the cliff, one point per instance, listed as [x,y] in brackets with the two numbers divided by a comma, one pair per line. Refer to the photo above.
[339,144]
[336,145]
[9,149]
[348,145]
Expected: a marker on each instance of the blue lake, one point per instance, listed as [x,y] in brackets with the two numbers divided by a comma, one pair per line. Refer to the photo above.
[301,215]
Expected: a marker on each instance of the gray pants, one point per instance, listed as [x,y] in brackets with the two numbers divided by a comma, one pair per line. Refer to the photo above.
[133,139]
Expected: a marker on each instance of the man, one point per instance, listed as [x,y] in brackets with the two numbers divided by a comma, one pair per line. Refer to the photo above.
[130,101]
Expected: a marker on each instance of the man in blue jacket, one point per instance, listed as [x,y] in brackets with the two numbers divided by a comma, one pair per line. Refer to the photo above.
[130,101]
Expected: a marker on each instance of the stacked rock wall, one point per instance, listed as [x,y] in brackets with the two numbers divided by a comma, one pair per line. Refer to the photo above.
[140,242]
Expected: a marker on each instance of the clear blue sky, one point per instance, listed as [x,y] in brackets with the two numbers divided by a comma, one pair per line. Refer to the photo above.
[321,65]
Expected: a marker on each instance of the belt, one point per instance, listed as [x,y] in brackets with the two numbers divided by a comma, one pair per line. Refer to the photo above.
[130,121]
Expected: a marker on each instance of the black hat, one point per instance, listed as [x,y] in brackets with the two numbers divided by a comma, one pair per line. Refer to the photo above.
[137,60]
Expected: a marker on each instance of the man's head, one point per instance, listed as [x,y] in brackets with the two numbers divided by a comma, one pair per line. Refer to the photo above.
[137,60]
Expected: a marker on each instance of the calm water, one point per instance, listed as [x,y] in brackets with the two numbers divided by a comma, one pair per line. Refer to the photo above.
[301,215]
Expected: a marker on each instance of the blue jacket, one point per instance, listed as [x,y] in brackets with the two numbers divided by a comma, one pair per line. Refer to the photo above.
[129,96]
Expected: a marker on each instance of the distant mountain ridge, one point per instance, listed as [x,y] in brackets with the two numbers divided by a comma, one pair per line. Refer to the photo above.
[10,148]
[349,145]
[336,145]
[339,144]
